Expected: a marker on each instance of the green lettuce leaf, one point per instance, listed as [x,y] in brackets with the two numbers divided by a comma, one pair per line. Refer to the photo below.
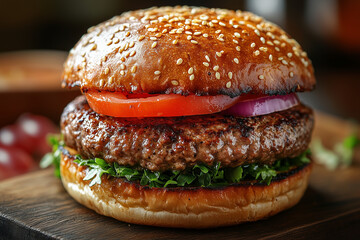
[53,158]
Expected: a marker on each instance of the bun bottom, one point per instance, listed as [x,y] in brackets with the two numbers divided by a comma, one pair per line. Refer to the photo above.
[182,207]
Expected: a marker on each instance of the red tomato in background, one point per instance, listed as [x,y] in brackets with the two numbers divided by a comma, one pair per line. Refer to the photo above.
[21,140]
[34,130]
[11,136]
[29,134]
[14,161]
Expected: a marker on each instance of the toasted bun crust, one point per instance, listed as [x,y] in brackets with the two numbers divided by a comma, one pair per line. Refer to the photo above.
[187,50]
[182,207]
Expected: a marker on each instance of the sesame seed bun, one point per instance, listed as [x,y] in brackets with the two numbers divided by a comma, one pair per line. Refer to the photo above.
[187,50]
[183,207]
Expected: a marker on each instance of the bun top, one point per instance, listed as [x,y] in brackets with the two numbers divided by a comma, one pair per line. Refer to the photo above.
[188,50]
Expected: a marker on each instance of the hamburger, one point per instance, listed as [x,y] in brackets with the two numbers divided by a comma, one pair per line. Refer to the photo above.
[189,118]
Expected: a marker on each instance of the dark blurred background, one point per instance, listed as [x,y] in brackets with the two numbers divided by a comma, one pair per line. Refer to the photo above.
[329,30]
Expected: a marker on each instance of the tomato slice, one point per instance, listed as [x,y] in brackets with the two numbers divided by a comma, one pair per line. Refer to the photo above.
[162,105]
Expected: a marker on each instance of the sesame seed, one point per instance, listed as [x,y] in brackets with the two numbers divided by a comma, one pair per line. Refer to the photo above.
[284,62]
[218,54]
[277,49]
[127,34]
[289,55]
[158,35]
[111,79]
[261,77]
[174,82]
[236,60]
[106,71]
[238,48]
[236,34]
[122,66]
[211,24]
[216,68]
[257,32]
[157,72]
[197,33]
[270,57]
[131,44]
[220,39]
[191,77]
[276,42]
[189,37]
[122,72]
[116,40]
[123,59]
[205,35]
[153,38]
[264,49]
[188,32]
[175,42]
[250,26]
[194,42]
[190,71]
[217,75]
[109,43]
[235,41]
[222,24]
[93,47]
[283,45]
[306,63]
[270,43]
[133,69]
[164,31]
[230,74]
[262,40]
[228,84]
[154,44]
[291,74]
[104,58]
[132,53]
[207,58]
[252,45]
[179,61]
[152,29]
[206,64]
[292,63]
[256,53]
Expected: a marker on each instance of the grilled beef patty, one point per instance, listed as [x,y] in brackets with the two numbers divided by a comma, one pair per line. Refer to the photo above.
[176,143]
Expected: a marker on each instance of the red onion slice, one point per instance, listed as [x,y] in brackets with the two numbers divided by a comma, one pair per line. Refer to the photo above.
[263,105]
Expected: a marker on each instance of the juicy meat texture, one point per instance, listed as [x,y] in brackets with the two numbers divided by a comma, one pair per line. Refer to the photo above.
[177,143]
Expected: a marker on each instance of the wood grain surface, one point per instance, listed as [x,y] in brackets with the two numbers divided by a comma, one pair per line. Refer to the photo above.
[36,206]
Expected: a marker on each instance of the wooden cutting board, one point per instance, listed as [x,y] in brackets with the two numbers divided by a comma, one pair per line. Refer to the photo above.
[36,206]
